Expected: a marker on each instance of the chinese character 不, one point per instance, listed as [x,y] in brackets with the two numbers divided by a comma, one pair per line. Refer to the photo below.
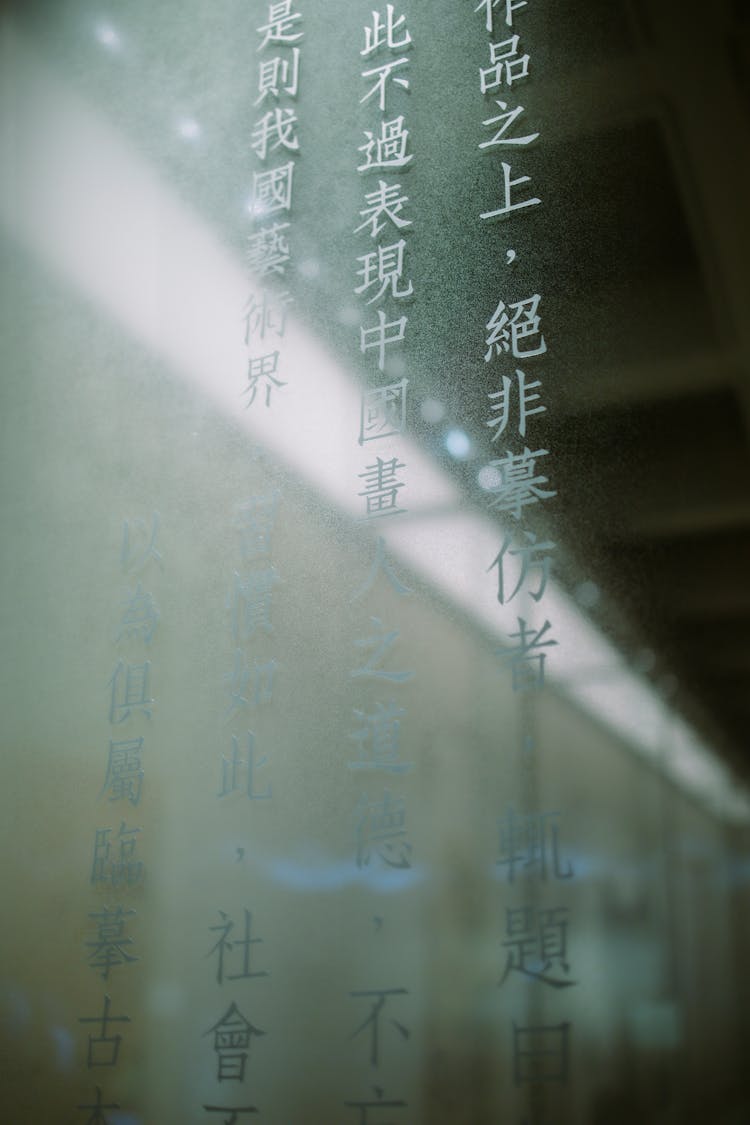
[266,315]
[141,615]
[130,691]
[280,26]
[540,1054]
[268,249]
[278,76]
[103,1049]
[274,130]
[107,951]
[526,663]
[124,775]
[501,404]
[381,488]
[261,371]
[373,1018]
[380,643]
[139,544]
[384,201]
[383,412]
[225,947]
[122,870]
[537,943]
[383,74]
[255,522]
[380,562]
[272,190]
[377,1104]
[530,842]
[506,333]
[98,1116]
[508,185]
[232,770]
[381,828]
[388,150]
[381,32]
[381,335]
[517,486]
[506,62]
[379,739]
[507,117]
[532,558]
[384,267]
[232,1036]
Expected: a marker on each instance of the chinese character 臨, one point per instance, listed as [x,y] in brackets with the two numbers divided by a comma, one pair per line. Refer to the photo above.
[122,870]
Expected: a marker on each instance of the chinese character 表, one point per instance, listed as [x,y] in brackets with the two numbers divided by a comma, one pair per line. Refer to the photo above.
[384,201]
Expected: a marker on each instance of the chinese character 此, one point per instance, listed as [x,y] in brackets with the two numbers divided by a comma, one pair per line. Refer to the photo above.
[517,486]
[103,1049]
[266,315]
[107,951]
[268,250]
[380,643]
[141,615]
[388,150]
[378,1104]
[225,947]
[506,62]
[280,26]
[383,74]
[379,739]
[384,268]
[507,333]
[380,562]
[373,1018]
[232,1036]
[124,771]
[278,76]
[139,544]
[381,32]
[383,412]
[250,603]
[273,130]
[272,190]
[533,557]
[507,117]
[255,522]
[508,185]
[381,488]
[540,1054]
[98,1117]
[530,842]
[537,943]
[381,828]
[382,334]
[130,691]
[501,403]
[526,663]
[385,201]
[232,770]
[124,870]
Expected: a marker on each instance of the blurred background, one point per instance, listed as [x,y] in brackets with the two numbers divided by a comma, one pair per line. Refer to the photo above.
[296,830]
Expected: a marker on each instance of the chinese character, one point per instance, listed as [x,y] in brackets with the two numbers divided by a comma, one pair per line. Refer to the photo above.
[383,412]
[278,76]
[517,486]
[373,1019]
[232,1036]
[381,828]
[269,249]
[255,522]
[379,739]
[530,561]
[259,368]
[108,950]
[378,1104]
[272,190]
[501,402]
[98,1116]
[382,32]
[389,148]
[243,683]
[508,185]
[380,643]
[385,201]
[381,488]
[383,267]
[381,335]
[380,562]
[131,557]
[531,841]
[505,61]
[266,315]
[103,1049]
[540,1054]
[225,946]
[231,771]
[251,601]
[279,28]
[130,691]
[384,73]
[124,771]
[507,119]
[527,664]
[274,130]
[125,870]
[537,944]
[510,7]
[140,616]
[506,333]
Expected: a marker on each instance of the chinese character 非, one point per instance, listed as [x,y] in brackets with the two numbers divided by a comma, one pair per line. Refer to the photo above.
[501,402]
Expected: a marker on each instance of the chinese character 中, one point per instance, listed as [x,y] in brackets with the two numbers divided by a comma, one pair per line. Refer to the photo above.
[103,1049]
[225,947]
[381,828]
[385,201]
[501,403]
[232,1035]
[536,944]
[530,842]
[373,1018]
[232,770]
[381,335]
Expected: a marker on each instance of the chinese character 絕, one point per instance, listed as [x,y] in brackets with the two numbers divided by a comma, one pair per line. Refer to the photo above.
[530,843]
[512,325]
[225,947]
[232,1035]
[372,1020]
[103,1049]
[536,944]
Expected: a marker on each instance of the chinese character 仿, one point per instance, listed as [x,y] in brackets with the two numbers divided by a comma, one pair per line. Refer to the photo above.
[383,412]
[272,190]
[280,27]
[388,149]
[224,948]
[379,739]
[381,335]
[381,563]
[108,949]
[373,1018]
[537,944]
[516,485]
[508,185]
[530,842]
[541,1053]
[232,1035]
[511,325]
[238,772]
[381,488]
[507,64]
[506,119]
[103,1049]
[118,868]
[124,777]
[383,74]
[534,558]
[278,76]
[385,202]
[527,664]
[381,828]
[382,270]
[380,643]
[382,32]
[268,250]
[130,691]
[501,402]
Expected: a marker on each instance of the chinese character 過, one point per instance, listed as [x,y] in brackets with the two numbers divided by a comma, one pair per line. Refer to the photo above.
[278,76]
[381,32]
[507,118]
[269,249]
[506,333]
[527,665]
[135,555]
[537,942]
[98,1117]
[272,190]
[532,559]
[387,150]
[382,334]
[384,73]
[124,775]
[231,770]
[380,562]
[380,643]
[140,616]
[274,130]
[508,185]
[373,1019]
[531,841]
[130,691]
[383,412]
[384,267]
[125,870]
[280,26]
[379,739]
[381,828]
[384,201]
[232,1035]
[501,401]
[108,949]
[103,1049]
[224,947]
[505,62]
[541,1053]
[517,486]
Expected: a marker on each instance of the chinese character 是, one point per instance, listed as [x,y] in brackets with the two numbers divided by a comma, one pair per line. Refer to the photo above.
[380,562]
[526,663]
[381,335]
[384,268]
[278,76]
[232,1035]
[140,616]
[274,130]
[388,150]
[379,739]
[108,950]
[224,947]
[385,201]
[139,544]
[506,63]
[124,771]
[116,869]
[130,691]
[373,1018]
[266,315]
[507,118]
[103,1049]
[382,32]
[272,190]
[383,74]
[268,249]
[517,486]
[381,642]
[280,27]
[232,770]
[533,557]
[383,412]
[501,404]
[540,1054]
[508,185]
[506,333]
[381,828]
[530,842]
[536,944]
